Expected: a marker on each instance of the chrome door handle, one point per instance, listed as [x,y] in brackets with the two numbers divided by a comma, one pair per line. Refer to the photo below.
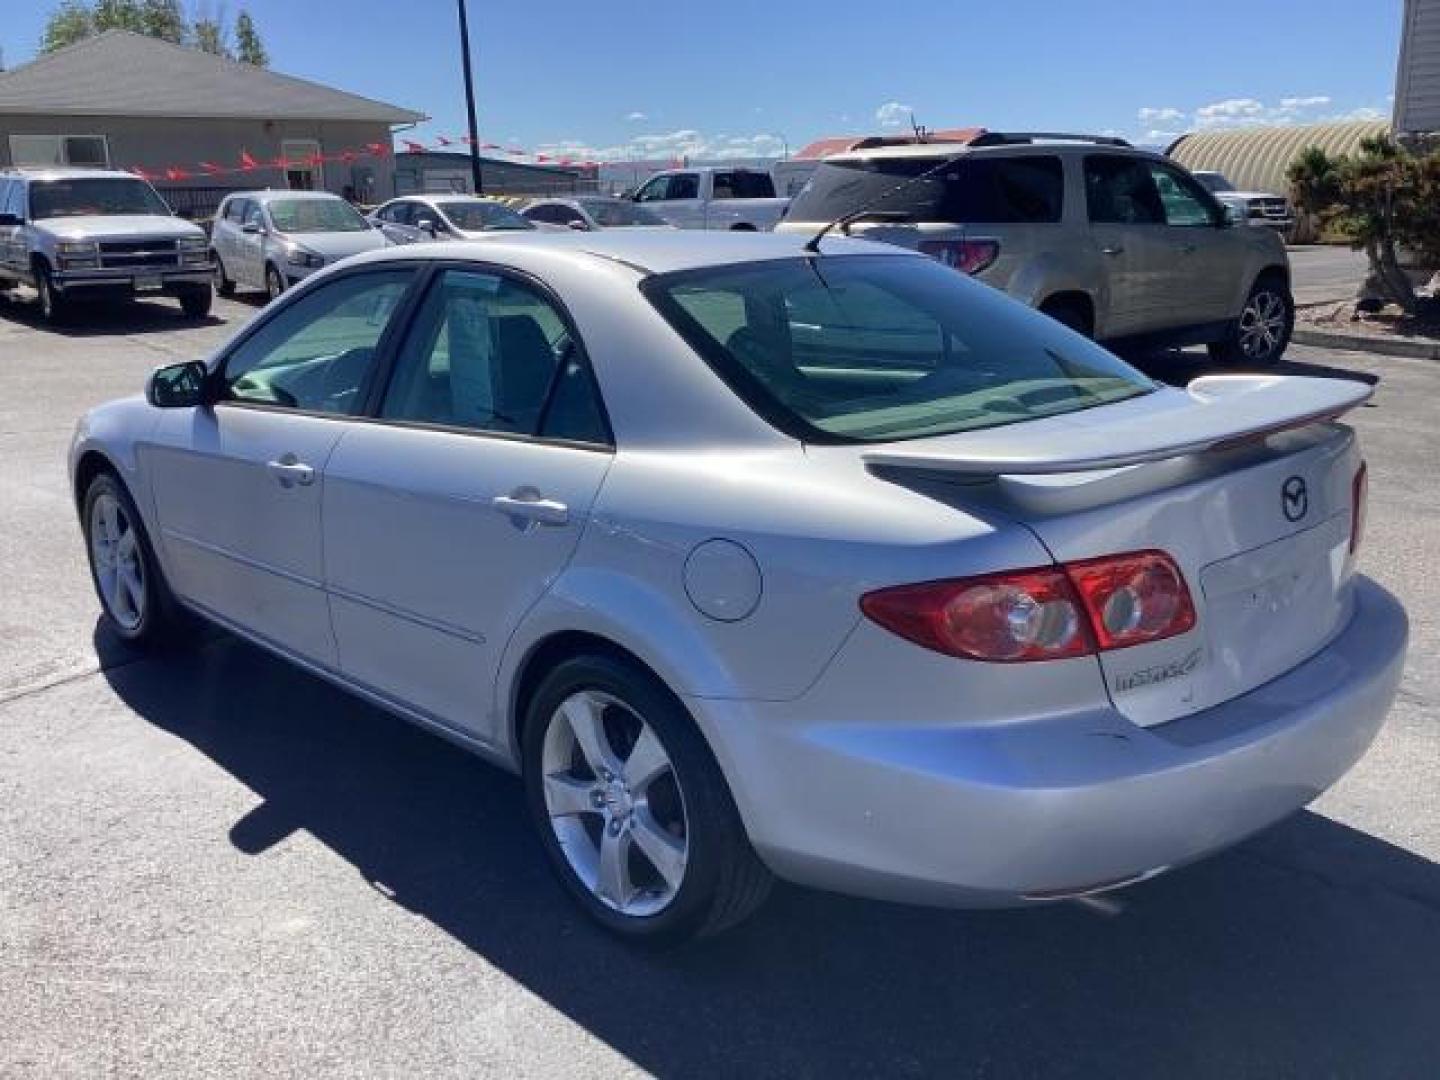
[525,507]
[1113,249]
[290,472]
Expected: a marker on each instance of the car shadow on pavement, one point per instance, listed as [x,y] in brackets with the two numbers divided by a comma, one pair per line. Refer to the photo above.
[1312,949]
[104,318]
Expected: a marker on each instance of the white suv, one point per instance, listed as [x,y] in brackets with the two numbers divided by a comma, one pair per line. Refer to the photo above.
[1122,245]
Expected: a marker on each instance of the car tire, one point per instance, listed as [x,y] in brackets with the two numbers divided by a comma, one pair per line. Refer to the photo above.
[1260,335]
[196,302]
[274,282]
[600,816]
[223,285]
[1071,314]
[134,597]
[54,306]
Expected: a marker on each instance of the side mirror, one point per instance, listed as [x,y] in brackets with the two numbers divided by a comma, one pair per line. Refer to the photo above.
[9,221]
[578,225]
[177,386]
[251,227]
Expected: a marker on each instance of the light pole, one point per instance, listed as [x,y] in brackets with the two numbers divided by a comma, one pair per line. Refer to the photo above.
[470,101]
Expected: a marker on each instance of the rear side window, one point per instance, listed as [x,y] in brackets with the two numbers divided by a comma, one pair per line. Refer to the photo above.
[1122,191]
[744,185]
[1021,189]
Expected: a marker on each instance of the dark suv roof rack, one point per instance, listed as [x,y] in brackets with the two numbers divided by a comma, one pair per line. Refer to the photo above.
[1006,138]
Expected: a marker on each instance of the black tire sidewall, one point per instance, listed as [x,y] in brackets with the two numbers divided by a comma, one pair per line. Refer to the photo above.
[52,304]
[707,800]
[274,277]
[197,302]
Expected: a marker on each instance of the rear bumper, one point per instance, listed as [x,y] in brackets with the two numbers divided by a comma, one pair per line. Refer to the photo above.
[994,814]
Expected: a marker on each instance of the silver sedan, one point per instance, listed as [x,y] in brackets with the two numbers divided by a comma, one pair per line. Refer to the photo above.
[760,560]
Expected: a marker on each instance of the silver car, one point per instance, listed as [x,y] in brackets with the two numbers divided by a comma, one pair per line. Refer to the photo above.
[272,239]
[413,219]
[586,213]
[754,560]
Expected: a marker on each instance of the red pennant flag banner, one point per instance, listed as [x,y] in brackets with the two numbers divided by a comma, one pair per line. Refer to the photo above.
[413,147]
[247,163]
[211,169]
[443,141]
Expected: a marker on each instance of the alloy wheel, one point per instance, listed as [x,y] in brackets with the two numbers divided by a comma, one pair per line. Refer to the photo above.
[119,569]
[1262,325]
[615,804]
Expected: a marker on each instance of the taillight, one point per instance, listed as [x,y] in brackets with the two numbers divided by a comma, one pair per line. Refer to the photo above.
[1359,495]
[1027,615]
[1049,614]
[967,256]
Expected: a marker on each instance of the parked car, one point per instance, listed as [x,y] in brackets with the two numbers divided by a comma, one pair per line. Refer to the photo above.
[750,558]
[1256,207]
[418,218]
[1119,244]
[792,174]
[272,239]
[585,213]
[713,198]
[78,233]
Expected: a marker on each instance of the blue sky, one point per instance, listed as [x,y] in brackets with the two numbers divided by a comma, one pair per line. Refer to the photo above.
[613,80]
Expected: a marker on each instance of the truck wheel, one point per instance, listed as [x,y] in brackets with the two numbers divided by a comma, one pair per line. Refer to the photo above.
[54,307]
[196,300]
[274,282]
[1261,333]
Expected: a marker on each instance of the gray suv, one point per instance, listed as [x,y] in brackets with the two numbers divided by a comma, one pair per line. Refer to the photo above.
[72,233]
[1122,245]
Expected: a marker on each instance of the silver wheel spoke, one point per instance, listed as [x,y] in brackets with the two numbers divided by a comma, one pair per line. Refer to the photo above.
[586,717]
[132,589]
[665,852]
[565,796]
[614,883]
[646,762]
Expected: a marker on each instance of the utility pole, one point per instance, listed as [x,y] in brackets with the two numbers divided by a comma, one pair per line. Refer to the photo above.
[470,101]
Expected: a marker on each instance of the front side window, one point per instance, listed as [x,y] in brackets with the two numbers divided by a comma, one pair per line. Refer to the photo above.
[316,216]
[93,197]
[1186,204]
[1121,191]
[490,354]
[875,348]
[655,190]
[314,353]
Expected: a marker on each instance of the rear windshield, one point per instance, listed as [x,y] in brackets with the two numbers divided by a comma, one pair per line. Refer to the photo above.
[618,214]
[95,195]
[478,215]
[1026,188]
[876,348]
[743,185]
[316,216]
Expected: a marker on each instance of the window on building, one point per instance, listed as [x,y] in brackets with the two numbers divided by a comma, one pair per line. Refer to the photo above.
[42,150]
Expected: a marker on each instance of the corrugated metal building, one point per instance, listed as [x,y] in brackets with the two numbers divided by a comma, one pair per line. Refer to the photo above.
[447,171]
[1255,158]
[1417,77]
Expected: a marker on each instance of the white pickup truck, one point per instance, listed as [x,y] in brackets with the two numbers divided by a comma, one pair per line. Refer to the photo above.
[714,198]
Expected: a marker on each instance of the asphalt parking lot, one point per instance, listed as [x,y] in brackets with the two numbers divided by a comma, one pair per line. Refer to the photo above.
[214,865]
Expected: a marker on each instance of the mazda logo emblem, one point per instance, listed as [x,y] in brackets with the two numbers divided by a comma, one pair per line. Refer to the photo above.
[1294,498]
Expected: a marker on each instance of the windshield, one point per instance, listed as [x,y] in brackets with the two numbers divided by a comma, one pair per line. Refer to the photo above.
[480,215]
[870,349]
[94,196]
[618,214]
[316,216]
[1213,181]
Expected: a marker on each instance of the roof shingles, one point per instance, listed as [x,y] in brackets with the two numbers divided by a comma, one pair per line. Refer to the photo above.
[119,73]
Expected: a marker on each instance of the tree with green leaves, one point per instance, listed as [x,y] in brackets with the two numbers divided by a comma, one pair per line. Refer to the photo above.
[1385,199]
[72,21]
[118,15]
[209,36]
[163,19]
[249,49]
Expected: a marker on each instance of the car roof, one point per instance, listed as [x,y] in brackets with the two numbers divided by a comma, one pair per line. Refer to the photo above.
[943,150]
[272,195]
[59,172]
[659,251]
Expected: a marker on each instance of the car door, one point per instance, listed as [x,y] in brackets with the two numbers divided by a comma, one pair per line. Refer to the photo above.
[450,516]
[1128,233]
[250,246]
[224,232]
[398,220]
[1202,281]
[238,484]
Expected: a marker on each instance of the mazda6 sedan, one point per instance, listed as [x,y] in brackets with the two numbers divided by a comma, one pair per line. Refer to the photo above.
[759,560]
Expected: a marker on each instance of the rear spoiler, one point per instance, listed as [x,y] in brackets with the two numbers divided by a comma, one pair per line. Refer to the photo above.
[1215,412]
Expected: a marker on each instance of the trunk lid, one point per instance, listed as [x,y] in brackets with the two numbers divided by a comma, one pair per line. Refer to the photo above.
[1253,501]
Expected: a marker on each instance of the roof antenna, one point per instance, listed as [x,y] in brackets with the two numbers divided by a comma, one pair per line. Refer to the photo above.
[868,209]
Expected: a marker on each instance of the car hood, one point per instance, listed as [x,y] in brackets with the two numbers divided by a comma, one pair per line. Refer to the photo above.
[119,227]
[491,234]
[337,245]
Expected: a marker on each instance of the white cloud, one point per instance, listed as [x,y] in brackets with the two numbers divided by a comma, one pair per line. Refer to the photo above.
[682,143]
[1365,112]
[1229,111]
[893,114]
[1158,137]
[1296,103]
[636,117]
[1162,115]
